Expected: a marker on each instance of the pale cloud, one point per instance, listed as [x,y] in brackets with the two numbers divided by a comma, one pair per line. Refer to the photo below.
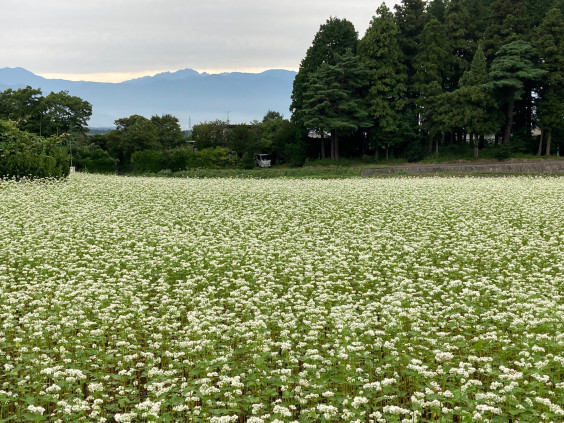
[107,39]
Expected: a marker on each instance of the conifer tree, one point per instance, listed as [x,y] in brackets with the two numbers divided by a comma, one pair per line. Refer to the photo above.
[472,106]
[508,22]
[465,25]
[380,52]
[431,66]
[411,19]
[333,100]
[333,39]
[549,41]
[436,9]
[514,66]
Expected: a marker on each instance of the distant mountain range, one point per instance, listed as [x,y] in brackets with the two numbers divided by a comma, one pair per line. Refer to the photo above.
[191,96]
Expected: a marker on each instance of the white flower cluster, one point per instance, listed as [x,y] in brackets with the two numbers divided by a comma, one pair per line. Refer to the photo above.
[373,300]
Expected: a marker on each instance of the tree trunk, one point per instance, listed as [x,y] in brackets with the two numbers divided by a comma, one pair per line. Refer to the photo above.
[323,145]
[509,122]
[332,144]
[539,151]
[437,147]
[474,139]
[377,154]
[548,142]
[430,143]
[336,146]
[387,153]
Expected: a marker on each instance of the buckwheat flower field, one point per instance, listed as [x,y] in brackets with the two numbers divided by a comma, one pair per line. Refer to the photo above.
[227,300]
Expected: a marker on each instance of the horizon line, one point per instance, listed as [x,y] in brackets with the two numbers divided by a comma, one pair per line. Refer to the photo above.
[118,77]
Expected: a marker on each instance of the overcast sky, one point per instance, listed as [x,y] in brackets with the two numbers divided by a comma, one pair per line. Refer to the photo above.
[114,40]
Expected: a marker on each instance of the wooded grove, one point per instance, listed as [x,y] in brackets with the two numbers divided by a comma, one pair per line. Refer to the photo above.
[437,73]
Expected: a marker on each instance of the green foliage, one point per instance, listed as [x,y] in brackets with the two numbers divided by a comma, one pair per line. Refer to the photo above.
[216,157]
[333,101]
[55,114]
[515,65]
[147,161]
[179,159]
[550,44]
[508,23]
[22,106]
[245,140]
[296,153]
[63,113]
[334,38]
[502,152]
[415,152]
[247,161]
[135,133]
[436,9]
[471,108]
[211,134]
[432,65]
[286,135]
[23,154]
[168,131]
[380,52]
[411,19]
[94,159]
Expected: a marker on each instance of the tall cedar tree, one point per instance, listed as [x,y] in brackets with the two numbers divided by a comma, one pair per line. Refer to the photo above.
[537,10]
[431,73]
[471,107]
[550,44]
[465,25]
[333,100]
[436,9]
[380,52]
[515,66]
[333,39]
[411,19]
[508,22]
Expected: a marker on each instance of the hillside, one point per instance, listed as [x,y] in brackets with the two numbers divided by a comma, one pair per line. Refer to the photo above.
[187,94]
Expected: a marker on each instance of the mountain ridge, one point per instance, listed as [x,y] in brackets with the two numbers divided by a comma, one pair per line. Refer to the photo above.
[189,95]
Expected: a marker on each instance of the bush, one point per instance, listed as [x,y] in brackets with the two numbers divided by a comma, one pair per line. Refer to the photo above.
[502,152]
[247,161]
[147,161]
[95,160]
[414,152]
[26,155]
[179,159]
[216,157]
[296,153]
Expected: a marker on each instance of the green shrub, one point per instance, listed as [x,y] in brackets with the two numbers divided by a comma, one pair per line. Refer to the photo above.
[216,157]
[415,152]
[26,155]
[147,161]
[95,160]
[502,152]
[296,153]
[247,161]
[180,159]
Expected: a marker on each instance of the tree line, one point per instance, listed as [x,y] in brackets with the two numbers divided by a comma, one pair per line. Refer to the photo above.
[453,75]
[436,73]
[50,134]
